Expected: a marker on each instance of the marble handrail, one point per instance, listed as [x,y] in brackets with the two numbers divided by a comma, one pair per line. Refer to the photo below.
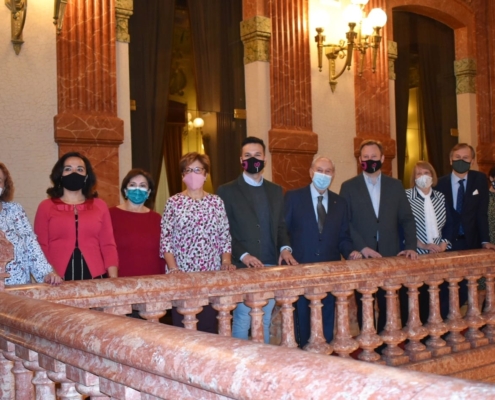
[109,356]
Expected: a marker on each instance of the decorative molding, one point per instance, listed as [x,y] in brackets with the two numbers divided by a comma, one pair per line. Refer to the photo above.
[392,56]
[18,9]
[255,34]
[465,73]
[123,11]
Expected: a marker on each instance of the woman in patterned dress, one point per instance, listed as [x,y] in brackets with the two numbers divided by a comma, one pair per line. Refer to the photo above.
[29,259]
[195,233]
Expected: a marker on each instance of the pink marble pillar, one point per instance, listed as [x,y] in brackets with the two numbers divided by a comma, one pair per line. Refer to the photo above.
[256,301]
[292,142]
[7,380]
[24,389]
[489,311]
[414,329]
[189,309]
[455,323]
[368,339]
[152,311]
[316,342]
[224,306]
[473,317]
[343,342]
[87,91]
[286,298]
[56,372]
[436,327]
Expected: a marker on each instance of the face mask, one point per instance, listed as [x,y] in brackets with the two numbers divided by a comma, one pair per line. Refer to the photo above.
[492,182]
[1,191]
[424,181]
[74,181]
[461,166]
[253,165]
[137,195]
[194,181]
[371,166]
[321,181]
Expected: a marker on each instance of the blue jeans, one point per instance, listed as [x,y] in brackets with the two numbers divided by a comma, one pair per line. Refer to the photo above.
[242,320]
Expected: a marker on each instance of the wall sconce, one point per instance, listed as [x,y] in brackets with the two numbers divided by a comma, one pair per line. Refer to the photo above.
[58,14]
[18,10]
[366,36]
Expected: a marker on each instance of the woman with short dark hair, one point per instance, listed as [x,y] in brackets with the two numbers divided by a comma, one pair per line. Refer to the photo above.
[136,228]
[73,226]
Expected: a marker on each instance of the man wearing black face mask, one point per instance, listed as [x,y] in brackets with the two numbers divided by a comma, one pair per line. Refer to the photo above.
[378,206]
[255,209]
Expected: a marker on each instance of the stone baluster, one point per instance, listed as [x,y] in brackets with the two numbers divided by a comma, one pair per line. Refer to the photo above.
[152,312]
[7,380]
[368,339]
[317,342]
[189,308]
[118,391]
[56,372]
[256,301]
[86,383]
[392,334]
[286,298]
[343,344]
[436,327]
[489,311]
[116,310]
[224,306]
[23,377]
[455,323]
[473,317]
[44,387]
[414,329]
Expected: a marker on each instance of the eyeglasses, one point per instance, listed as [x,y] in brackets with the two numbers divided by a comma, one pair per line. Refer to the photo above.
[196,170]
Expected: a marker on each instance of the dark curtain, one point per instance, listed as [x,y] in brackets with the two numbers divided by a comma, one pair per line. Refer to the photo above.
[172,145]
[150,52]
[437,87]
[402,30]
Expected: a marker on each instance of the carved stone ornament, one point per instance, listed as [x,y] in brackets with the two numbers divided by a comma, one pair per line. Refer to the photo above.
[17,19]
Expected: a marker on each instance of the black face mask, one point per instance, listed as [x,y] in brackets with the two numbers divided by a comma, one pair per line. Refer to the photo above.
[74,181]
[371,166]
[253,165]
[461,166]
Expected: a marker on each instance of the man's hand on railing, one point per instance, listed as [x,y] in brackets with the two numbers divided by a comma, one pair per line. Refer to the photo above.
[367,252]
[252,262]
[409,254]
[286,255]
[355,255]
[489,246]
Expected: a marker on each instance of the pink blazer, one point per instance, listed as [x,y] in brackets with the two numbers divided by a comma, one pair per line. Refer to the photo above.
[55,227]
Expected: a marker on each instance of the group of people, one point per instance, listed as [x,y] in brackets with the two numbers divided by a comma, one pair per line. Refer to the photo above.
[248,224]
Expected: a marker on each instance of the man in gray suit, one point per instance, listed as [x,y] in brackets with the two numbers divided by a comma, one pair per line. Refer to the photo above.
[378,207]
[255,209]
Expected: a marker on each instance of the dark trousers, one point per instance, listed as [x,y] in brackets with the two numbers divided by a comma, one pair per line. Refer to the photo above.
[302,319]
[207,319]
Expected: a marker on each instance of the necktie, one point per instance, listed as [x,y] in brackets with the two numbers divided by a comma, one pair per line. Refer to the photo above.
[321,213]
[460,203]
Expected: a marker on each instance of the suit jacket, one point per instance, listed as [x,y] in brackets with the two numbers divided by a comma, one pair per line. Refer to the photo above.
[308,245]
[474,216]
[243,220]
[394,213]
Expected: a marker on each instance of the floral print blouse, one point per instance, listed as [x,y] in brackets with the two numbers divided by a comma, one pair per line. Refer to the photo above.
[196,232]
[28,256]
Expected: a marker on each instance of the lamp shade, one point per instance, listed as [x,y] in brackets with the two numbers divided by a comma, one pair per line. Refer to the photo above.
[198,122]
[352,14]
[366,27]
[377,17]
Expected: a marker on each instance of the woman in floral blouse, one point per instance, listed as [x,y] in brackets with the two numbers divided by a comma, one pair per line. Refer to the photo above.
[28,256]
[195,233]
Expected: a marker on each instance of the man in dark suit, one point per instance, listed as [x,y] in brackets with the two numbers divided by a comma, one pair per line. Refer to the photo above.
[466,197]
[318,226]
[378,207]
[255,209]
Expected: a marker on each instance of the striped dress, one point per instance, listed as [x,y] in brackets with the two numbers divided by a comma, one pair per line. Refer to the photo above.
[418,209]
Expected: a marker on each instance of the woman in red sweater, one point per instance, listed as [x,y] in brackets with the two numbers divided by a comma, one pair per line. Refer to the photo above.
[73,226]
[137,228]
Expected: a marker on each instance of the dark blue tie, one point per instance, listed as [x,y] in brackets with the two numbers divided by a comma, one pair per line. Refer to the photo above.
[460,202]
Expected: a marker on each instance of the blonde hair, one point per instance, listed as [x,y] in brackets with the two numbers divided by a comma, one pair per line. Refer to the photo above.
[425,165]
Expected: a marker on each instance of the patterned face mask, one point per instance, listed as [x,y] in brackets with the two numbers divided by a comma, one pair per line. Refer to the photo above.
[424,181]
[253,165]
[371,166]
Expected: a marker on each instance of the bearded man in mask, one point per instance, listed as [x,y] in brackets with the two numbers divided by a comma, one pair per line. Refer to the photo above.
[318,226]
[378,207]
[255,209]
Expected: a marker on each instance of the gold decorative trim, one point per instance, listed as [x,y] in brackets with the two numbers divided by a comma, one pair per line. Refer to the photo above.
[123,11]
[18,9]
[255,34]
[58,14]
[465,73]
[392,56]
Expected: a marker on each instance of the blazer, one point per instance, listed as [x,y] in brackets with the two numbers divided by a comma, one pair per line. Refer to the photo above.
[394,214]
[243,220]
[418,209]
[474,216]
[308,245]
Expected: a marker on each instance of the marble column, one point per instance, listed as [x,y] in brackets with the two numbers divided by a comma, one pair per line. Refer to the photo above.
[87,99]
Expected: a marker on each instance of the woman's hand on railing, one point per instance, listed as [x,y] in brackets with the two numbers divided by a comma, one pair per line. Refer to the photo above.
[53,279]
[227,267]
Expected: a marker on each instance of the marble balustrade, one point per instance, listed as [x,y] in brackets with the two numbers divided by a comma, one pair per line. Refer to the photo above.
[50,351]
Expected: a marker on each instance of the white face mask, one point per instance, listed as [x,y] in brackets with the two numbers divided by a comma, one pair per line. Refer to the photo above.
[1,190]
[424,181]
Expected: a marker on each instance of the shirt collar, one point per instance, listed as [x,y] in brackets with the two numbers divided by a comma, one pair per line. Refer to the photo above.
[315,194]
[455,179]
[250,181]
[368,179]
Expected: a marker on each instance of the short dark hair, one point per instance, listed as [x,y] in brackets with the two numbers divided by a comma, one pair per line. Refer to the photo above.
[57,190]
[189,158]
[492,172]
[254,140]
[459,146]
[8,185]
[135,172]
[371,142]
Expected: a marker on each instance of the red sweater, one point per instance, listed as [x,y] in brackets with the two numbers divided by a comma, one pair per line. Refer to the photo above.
[55,227]
[138,242]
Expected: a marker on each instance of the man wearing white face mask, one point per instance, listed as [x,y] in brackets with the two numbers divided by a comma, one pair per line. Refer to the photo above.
[318,225]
